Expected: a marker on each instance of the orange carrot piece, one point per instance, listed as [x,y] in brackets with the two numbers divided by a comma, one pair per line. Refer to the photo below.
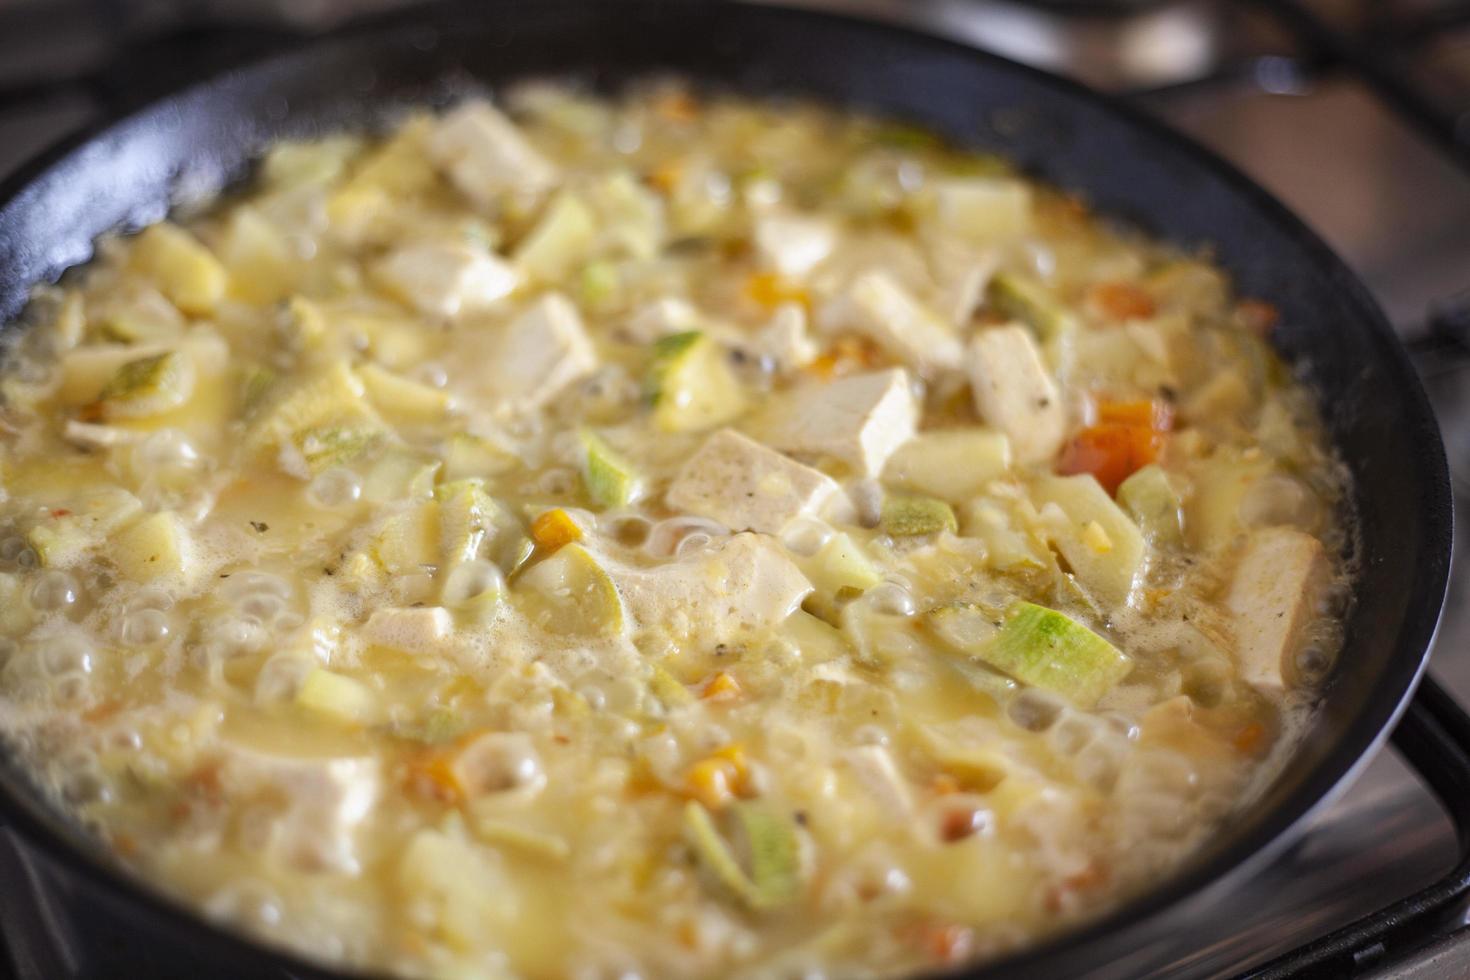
[1121,301]
[554,528]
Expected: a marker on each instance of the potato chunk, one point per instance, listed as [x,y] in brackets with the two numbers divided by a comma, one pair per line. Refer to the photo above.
[1277,589]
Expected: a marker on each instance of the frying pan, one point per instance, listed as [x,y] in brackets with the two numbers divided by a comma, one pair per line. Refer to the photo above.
[185,146]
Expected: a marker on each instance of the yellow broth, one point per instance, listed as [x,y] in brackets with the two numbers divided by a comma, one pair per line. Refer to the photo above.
[672,535]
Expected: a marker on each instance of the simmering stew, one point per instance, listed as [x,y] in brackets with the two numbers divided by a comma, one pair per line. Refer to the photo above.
[662,535]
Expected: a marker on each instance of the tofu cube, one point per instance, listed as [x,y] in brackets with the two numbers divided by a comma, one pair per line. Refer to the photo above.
[325,799]
[1278,585]
[660,318]
[860,419]
[446,279]
[745,583]
[793,245]
[1014,392]
[876,305]
[538,354]
[785,339]
[417,629]
[485,154]
[747,486]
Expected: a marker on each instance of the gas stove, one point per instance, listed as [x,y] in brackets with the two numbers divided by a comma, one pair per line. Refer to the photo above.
[1356,113]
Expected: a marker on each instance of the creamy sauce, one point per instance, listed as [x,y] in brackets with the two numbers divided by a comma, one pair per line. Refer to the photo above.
[670,536]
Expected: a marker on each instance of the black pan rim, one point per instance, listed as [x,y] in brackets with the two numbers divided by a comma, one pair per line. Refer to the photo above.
[34,817]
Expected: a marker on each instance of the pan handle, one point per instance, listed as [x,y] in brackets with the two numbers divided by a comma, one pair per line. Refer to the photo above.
[1434,736]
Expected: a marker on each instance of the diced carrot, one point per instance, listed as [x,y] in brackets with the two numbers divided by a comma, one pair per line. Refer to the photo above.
[770,290]
[676,105]
[721,687]
[1093,876]
[823,367]
[60,512]
[944,785]
[554,528]
[943,942]
[666,175]
[1251,739]
[430,775]
[1110,452]
[959,823]
[124,843]
[1126,437]
[1257,316]
[1155,414]
[1121,301]
[102,712]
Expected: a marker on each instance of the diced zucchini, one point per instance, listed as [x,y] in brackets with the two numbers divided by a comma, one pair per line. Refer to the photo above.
[409,540]
[87,370]
[149,386]
[397,474]
[467,516]
[611,480]
[908,516]
[1106,563]
[1045,648]
[402,400]
[571,593]
[187,272]
[323,446]
[690,384]
[630,213]
[561,240]
[470,455]
[599,285]
[332,396]
[1031,302]
[951,464]
[339,697]
[774,877]
[1154,504]
[138,315]
[152,548]
[256,382]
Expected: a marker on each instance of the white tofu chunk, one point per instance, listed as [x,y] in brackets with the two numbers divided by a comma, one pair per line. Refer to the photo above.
[662,317]
[785,339]
[793,245]
[1280,581]
[537,355]
[982,209]
[413,630]
[1014,392]
[742,584]
[747,486]
[485,155]
[446,278]
[876,305]
[318,803]
[860,419]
